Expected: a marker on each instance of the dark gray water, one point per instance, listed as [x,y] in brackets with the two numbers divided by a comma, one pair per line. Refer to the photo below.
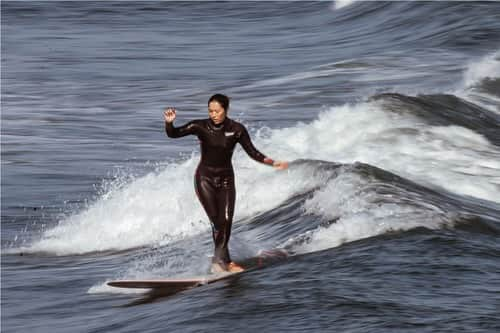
[388,111]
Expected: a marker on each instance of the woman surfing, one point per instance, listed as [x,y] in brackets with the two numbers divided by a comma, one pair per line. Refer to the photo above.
[214,177]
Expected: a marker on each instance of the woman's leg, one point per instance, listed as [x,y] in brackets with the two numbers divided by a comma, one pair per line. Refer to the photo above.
[225,202]
[217,196]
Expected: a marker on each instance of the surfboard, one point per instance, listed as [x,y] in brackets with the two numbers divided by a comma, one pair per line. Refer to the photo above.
[263,259]
[169,283]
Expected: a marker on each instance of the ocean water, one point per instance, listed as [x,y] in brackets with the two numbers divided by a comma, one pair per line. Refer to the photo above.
[389,113]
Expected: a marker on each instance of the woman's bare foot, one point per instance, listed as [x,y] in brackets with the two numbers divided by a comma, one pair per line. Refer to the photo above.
[234,267]
[231,267]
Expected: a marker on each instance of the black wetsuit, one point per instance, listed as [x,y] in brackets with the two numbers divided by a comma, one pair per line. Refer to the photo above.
[214,178]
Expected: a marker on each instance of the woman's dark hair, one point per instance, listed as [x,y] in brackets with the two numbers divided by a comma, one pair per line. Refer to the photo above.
[223,100]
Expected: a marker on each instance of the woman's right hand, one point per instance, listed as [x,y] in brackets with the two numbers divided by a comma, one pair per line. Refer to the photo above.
[169,114]
[280,165]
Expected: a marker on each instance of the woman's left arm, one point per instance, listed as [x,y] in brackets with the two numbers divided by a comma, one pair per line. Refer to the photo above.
[250,149]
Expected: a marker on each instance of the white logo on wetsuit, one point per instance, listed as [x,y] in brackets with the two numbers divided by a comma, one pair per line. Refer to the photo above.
[228,133]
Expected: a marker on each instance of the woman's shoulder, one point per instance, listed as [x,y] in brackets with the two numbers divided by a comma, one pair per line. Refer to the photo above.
[236,126]
[197,122]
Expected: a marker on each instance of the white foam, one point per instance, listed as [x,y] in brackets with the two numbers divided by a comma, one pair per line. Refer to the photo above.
[432,155]
[359,214]
[338,4]
[139,213]
[162,207]
[486,67]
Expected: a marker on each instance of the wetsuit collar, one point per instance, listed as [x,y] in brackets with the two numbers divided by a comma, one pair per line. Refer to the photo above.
[220,126]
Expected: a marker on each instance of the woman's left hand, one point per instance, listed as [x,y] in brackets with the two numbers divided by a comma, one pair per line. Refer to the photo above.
[280,165]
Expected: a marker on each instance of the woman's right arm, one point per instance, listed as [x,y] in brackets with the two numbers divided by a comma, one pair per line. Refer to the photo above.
[176,132]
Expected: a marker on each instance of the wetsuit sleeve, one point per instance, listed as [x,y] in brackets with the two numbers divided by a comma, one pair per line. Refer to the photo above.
[248,146]
[177,132]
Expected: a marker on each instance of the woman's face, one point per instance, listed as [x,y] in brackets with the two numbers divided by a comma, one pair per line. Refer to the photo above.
[216,112]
